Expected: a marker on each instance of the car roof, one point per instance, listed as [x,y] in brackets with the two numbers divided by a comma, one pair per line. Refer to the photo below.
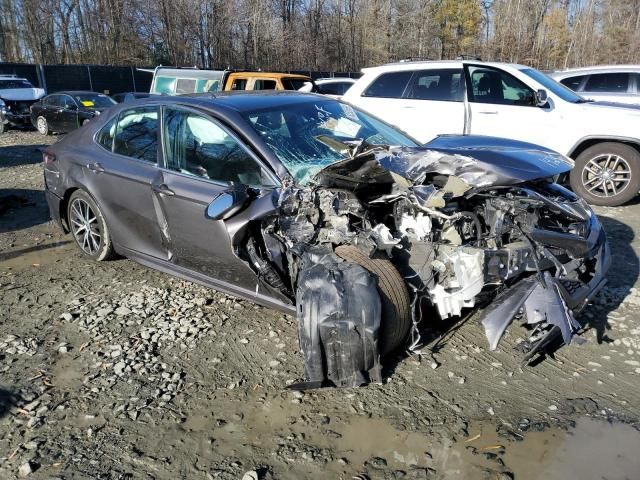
[76,92]
[241,101]
[335,80]
[413,65]
[596,69]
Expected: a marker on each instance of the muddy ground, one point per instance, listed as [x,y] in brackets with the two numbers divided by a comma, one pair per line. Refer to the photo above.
[113,371]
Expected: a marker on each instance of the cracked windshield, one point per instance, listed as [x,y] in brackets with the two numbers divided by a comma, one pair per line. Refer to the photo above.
[310,136]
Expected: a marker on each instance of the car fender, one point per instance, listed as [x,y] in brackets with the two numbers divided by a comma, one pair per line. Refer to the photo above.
[590,140]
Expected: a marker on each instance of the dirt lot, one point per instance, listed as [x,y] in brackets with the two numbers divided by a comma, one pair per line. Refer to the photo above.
[112,371]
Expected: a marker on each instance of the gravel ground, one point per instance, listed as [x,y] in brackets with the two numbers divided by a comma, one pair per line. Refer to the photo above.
[112,371]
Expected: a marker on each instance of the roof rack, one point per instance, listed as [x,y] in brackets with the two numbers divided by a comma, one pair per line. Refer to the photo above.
[9,75]
[414,59]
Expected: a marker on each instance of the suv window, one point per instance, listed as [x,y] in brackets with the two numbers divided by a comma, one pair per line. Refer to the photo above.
[106,134]
[196,145]
[389,85]
[573,82]
[489,85]
[260,84]
[137,134]
[335,88]
[440,85]
[608,82]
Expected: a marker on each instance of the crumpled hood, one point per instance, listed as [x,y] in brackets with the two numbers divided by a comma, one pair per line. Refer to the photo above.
[21,93]
[477,160]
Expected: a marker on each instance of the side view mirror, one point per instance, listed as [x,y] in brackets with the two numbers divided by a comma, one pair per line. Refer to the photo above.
[541,98]
[227,204]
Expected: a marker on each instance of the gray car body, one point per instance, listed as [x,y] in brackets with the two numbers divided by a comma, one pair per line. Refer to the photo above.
[156,216]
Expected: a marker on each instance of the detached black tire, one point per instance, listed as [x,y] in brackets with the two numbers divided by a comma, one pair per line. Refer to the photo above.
[394,296]
[88,227]
[607,174]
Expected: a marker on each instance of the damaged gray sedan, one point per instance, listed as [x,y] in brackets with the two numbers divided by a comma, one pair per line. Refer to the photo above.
[311,206]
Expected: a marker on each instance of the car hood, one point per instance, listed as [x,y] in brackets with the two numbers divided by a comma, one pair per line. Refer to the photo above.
[21,93]
[478,161]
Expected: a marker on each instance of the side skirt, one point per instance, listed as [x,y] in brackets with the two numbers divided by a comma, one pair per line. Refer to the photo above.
[190,275]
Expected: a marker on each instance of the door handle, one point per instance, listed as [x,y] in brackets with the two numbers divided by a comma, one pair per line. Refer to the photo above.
[489,113]
[162,189]
[95,167]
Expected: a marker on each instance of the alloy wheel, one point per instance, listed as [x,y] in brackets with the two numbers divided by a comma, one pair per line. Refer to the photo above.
[42,125]
[606,175]
[85,227]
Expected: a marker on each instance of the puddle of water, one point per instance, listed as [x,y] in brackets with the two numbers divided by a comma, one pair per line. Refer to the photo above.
[35,256]
[594,449]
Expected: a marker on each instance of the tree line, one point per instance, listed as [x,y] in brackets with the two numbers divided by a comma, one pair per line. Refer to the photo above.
[337,35]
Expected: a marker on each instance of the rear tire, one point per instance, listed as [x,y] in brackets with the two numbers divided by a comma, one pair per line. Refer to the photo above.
[395,301]
[43,126]
[88,227]
[607,174]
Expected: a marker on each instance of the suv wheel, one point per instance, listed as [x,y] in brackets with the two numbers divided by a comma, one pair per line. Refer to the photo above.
[607,174]
[89,227]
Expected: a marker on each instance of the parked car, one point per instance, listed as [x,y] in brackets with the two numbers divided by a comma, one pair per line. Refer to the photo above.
[63,112]
[334,87]
[309,205]
[16,96]
[181,81]
[607,83]
[513,101]
[129,96]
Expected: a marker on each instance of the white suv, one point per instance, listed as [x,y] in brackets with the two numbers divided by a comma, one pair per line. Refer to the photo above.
[607,83]
[426,99]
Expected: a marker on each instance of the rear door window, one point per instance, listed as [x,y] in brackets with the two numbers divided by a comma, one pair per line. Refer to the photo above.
[136,134]
[444,85]
[105,136]
[573,82]
[608,82]
[389,85]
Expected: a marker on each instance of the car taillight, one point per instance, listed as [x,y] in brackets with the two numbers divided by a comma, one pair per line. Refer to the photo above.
[48,158]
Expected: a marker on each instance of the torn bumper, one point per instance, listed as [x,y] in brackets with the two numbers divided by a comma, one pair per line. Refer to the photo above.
[548,300]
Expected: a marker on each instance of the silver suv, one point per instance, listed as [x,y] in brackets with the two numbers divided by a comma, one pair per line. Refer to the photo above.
[606,83]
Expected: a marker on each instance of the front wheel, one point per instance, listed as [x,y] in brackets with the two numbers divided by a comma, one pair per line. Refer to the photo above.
[88,226]
[394,297]
[607,174]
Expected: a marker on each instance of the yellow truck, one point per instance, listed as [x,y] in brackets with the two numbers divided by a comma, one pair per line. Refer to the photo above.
[180,81]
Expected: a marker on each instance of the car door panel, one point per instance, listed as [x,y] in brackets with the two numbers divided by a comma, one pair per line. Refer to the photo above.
[121,180]
[122,187]
[202,159]
[196,242]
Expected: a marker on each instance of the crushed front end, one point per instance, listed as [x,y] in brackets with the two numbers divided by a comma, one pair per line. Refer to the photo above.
[465,227]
